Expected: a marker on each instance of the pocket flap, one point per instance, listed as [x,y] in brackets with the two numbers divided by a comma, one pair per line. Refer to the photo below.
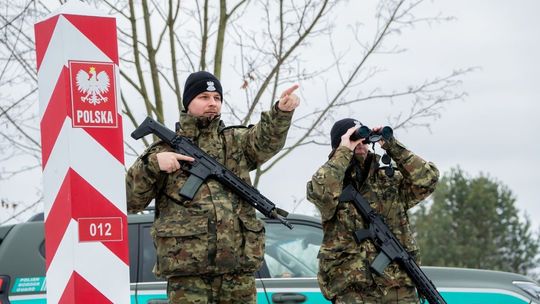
[252,224]
[185,227]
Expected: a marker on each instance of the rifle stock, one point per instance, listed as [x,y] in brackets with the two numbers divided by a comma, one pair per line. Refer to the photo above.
[150,126]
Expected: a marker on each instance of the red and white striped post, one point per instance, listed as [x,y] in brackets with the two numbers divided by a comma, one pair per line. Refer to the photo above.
[83,157]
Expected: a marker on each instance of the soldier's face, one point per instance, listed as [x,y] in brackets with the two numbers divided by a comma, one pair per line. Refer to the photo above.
[206,104]
[361,150]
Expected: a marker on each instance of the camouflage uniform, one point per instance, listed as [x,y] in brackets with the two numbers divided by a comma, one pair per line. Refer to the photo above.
[216,236]
[344,274]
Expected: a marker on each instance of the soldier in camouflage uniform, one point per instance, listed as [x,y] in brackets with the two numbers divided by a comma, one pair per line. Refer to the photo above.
[208,248]
[344,275]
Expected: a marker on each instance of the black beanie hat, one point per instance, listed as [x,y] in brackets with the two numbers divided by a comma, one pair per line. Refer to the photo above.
[199,82]
[339,128]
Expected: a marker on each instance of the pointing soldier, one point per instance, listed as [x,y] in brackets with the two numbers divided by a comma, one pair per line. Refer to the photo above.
[208,248]
[344,273]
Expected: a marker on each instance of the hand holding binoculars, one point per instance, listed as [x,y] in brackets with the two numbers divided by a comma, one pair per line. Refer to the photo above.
[371,136]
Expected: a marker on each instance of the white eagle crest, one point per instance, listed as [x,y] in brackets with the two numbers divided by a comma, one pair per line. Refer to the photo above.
[211,86]
[93,85]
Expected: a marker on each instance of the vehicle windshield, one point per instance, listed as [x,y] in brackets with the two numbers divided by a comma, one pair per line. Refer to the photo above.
[292,254]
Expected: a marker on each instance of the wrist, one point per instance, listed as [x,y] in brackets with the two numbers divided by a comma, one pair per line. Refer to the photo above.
[347,146]
[280,113]
[279,109]
[342,155]
[152,163]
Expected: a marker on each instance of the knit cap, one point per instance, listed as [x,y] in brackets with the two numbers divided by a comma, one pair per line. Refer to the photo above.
[199,82]
[339,128]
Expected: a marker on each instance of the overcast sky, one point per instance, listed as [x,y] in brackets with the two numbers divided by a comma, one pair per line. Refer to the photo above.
[495,130]
[492,131]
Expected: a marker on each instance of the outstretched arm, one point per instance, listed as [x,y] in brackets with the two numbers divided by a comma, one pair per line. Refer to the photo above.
[268,136]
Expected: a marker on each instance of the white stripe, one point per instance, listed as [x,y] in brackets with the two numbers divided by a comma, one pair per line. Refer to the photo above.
[56,167]
[93,261]
[98,167]
[61,266]
[484,290]
[151,283]
[445,290]
[152,292]
[101,170]
[289,289]
[50,68]
[27,297]
[67,43]
[104,270]
[44,295]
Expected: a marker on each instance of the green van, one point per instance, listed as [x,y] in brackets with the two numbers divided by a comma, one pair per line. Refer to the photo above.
[288,274]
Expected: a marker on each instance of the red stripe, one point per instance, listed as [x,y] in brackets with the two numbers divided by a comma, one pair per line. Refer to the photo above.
[88,202]
[53,119]
[79,290]
[100,30]
[77,198]
[110,139]
[44,31]
[55,114]
[68,296]
[58,219]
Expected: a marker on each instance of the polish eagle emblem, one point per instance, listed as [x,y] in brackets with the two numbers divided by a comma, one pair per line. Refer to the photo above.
[211,86]
[93,85]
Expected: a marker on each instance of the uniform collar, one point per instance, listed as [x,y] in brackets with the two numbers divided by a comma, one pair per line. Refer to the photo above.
[192,127]
[359,163]
[375,158]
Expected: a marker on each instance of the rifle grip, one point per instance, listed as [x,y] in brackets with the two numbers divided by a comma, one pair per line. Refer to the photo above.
[190,188]
[380,263]
[362,234]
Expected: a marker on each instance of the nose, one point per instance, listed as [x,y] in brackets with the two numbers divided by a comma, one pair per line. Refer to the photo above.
[214,101]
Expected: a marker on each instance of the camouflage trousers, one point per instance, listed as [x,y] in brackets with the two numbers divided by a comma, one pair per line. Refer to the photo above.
[223,289]
[403,295]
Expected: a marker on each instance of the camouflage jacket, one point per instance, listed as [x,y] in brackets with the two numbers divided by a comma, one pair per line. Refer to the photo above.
[216,232]
[344,264]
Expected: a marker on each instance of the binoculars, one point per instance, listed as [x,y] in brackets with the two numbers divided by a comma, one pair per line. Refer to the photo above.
[371,136]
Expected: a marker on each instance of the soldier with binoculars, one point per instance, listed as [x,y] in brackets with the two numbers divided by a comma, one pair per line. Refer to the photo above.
[344,265]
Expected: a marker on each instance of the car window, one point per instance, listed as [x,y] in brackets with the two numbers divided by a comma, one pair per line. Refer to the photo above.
[289,253]
[292,253]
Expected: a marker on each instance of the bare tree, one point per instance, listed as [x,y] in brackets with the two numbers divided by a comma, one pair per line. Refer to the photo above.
[258,43]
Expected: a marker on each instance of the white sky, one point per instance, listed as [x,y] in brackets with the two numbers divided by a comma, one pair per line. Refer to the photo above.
[492,131]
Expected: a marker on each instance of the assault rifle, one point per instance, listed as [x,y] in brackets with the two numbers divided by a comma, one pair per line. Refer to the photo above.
[204,166]
[389,246]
